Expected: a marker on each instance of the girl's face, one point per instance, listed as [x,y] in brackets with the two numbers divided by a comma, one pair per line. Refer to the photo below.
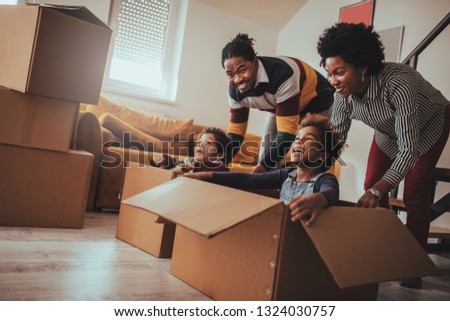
[345,78]
[206,149]
[307,149]
[241,73]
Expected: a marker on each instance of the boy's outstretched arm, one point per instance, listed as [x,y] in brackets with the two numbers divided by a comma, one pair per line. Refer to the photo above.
[203,176]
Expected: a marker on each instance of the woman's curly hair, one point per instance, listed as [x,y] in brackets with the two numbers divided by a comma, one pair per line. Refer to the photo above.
[239,46]
[357,44]
[332,141]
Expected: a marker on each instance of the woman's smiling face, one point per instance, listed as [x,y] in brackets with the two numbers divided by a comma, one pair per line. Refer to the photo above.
[344,77]
[241,73]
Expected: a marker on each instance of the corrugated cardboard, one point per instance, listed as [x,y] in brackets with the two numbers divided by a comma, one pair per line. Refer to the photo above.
[235,245]
[53,51]
[42,188]
[138,227]
[36,121]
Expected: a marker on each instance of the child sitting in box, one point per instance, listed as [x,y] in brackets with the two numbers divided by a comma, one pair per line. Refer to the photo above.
[306,188]
[210,154]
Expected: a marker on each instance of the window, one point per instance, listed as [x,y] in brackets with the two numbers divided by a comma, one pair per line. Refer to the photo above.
[145,49]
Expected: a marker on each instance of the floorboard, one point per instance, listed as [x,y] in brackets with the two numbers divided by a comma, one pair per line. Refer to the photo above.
[90,264]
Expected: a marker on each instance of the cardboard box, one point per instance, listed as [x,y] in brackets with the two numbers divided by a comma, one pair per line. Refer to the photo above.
[36,121]
[235,245]
[138,227]
[53,51]
[42,188]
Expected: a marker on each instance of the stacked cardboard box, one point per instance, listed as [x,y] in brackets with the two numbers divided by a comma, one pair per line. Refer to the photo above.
[236,245]
[51,59]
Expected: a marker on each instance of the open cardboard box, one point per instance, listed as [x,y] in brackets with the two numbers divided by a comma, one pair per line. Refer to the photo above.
[235,245]
[138,227]
[36,121]
[55,51]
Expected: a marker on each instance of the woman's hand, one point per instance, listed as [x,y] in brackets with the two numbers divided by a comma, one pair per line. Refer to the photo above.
[306,207]
[368,200]
[203,176]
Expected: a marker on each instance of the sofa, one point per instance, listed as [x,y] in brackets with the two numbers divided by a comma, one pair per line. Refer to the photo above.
[117,134]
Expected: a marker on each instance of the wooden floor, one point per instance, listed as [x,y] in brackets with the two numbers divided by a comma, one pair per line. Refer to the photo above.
[92,265]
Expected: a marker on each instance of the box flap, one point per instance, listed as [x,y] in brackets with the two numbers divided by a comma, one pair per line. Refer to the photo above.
[69,56]
[362,246]
[139,178]
[200,206]
[78,12]
[16,44]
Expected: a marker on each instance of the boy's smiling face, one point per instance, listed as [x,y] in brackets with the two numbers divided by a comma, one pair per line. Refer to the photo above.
[307,150]
[206,149]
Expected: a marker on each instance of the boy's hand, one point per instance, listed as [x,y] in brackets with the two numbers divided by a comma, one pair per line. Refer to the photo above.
[183,168]
[203,176]
[306,207]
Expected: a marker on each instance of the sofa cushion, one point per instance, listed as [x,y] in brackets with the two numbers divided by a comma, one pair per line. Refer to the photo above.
[108,138]
[161,127]
[128,135]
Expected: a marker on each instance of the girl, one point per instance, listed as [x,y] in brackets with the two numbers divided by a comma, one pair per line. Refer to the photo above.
[306,188]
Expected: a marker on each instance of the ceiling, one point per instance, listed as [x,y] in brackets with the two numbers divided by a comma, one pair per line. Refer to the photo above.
[270,13]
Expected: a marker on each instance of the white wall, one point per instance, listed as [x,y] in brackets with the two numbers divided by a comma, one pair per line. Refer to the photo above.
[202,83]
[299,38]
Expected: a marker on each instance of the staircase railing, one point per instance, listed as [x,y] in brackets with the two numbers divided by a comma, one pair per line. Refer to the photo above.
[441,206]
[412,58]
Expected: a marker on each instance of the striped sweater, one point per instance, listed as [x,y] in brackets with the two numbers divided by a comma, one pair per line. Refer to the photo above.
[405,110]
[287,87]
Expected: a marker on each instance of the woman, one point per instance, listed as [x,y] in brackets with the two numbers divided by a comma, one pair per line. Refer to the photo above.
[285,87]
[411,118]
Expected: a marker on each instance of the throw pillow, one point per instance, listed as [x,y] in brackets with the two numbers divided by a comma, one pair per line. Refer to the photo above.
[161,127]
[129,135]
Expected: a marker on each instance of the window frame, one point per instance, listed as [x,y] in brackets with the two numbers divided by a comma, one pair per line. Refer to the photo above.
[171,57]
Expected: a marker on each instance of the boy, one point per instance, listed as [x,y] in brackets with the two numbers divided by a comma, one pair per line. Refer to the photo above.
[306,188]
[210,154]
